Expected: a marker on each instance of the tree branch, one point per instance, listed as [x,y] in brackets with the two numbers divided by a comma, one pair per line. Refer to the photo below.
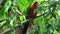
[24,22]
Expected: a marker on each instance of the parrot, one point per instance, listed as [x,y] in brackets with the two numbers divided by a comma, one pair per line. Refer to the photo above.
[31,14]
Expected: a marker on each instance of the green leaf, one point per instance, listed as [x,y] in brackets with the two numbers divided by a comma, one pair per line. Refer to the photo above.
[24,4]
[22,18]
[54,14]
[5,9]
[11,32]
[12,23]
[41,23]
[39,1]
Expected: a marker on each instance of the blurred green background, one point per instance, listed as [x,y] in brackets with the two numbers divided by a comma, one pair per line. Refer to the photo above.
[13,16]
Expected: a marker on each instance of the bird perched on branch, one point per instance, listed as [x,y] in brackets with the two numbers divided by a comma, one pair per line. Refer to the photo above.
[30,14]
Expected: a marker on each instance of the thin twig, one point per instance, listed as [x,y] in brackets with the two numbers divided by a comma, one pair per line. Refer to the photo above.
[6,31]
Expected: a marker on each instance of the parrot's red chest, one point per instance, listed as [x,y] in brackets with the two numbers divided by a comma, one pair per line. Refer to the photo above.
[32,7]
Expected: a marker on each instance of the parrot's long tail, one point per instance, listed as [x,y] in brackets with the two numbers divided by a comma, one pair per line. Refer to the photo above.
[25,28]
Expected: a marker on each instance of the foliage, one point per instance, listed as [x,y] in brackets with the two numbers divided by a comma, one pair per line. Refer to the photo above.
[13,12]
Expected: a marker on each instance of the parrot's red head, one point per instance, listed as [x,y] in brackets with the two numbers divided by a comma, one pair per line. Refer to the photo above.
[34,5]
